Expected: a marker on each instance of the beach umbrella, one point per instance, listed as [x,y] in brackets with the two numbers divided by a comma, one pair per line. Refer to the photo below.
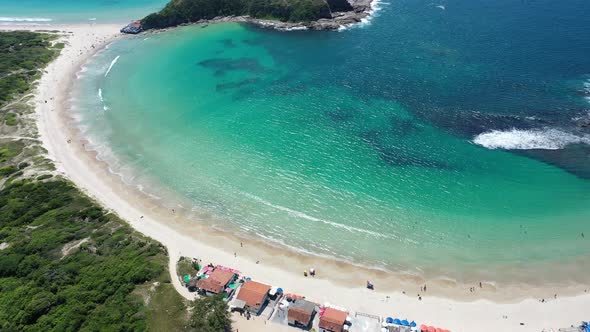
[423,327]
[280,290]
[248,279]
[405,323]
[397,321]
[389,320]
[413,324]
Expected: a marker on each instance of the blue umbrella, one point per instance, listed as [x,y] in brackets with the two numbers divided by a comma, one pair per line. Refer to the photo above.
[280,290]
[405,323]
[397,321]
[248,279]
[413,324]
[389,320]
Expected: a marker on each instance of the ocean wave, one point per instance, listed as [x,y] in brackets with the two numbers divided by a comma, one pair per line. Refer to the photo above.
[25,19]
[376,6]
[111,66]
[517,139]
[104,105]
[303,215]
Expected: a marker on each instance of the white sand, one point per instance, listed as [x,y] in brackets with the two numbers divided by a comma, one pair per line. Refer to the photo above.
[276,267]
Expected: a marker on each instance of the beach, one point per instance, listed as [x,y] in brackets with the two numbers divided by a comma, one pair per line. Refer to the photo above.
[454,307]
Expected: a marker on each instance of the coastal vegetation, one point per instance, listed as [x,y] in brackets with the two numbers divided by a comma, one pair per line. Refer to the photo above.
[186,11]
[22,55]
[66,264]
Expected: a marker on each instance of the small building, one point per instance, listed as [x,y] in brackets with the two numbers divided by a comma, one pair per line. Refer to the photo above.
[216,282]
[301,313]
[133,28]
[332,320]
[255,295]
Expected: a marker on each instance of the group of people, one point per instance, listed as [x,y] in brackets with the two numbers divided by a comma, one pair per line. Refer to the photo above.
[311,272]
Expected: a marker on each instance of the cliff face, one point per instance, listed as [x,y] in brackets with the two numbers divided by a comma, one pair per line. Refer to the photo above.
[187,11]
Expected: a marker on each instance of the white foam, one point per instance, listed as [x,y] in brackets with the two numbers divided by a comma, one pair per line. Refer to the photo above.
[104,106]
[376,6]
[516,139]
[111,66]
[312,218]
[25,19]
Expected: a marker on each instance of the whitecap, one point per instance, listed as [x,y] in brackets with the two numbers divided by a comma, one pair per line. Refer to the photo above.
[111,66]
[517,139]
[104,106]
[25,19]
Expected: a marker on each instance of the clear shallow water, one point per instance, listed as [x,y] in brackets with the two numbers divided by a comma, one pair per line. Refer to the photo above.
[442,142]
[74,11]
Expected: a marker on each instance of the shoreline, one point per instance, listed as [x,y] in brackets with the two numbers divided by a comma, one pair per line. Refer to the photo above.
[362,11]
[91,175]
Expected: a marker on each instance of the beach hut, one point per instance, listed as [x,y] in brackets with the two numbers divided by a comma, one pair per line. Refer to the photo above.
[216,282]
[255,295]
[300,313]
[332,320]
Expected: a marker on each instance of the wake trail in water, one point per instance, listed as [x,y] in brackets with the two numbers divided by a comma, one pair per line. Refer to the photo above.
[111,66]
[517,139]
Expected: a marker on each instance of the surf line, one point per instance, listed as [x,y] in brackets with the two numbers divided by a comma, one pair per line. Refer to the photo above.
[111,66]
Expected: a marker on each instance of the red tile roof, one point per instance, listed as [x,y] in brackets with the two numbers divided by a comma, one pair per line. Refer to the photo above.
[210,285]
[253,293]
[217,281]
[333,320]
[223,277]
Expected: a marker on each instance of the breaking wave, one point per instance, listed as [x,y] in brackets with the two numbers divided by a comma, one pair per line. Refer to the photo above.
[104,106]
[25,19]
[111,66]
[517,139]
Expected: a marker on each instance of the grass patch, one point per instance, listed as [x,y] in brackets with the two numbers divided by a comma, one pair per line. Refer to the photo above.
[167,310]
[44,177]
[186,266]
[10,119]
[9,150]
[7,170]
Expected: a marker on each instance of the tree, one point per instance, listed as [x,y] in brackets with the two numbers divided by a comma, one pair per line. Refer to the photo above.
[210,314]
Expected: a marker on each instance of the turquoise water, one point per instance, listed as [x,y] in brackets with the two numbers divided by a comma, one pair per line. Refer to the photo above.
[434,140]
[74,11]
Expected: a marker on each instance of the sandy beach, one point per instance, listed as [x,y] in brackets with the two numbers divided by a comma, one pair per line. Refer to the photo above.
[453,307]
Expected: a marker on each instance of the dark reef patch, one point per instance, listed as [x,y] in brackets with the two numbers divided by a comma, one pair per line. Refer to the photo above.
[223,65]
[399,157]
[235,85]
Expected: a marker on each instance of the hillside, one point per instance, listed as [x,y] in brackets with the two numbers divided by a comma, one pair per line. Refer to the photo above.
[188,11]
